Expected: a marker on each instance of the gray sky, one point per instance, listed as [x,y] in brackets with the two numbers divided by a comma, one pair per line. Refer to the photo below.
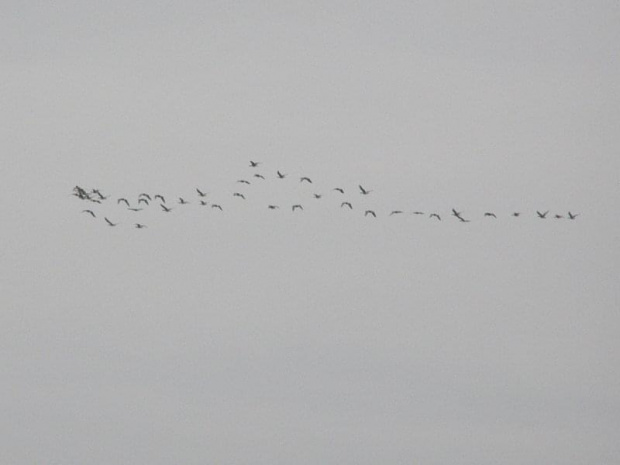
[256,337]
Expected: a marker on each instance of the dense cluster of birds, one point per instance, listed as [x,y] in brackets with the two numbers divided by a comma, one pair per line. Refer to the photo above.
[146,200]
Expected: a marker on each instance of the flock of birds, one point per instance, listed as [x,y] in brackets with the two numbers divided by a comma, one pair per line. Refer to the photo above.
[146,200]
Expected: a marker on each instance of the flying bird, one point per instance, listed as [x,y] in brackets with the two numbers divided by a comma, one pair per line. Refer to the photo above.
[572,216]
[140,226]
[259,176]
[164,208]
[160,197]
[542,215]
[317,196]
[182,201]
[296,207]
[90,212]
[143,200]
[272,207]
[304,178]
[203,203]
[145,195]
[200,193]
[101,196]
[491,214]
[215,205]
[339,189]
[417,213]
[396,212]
[557,217]
[123,200]
[515,214]
[109,222]
[237,194]
[135,209]
[281,175]
[254,164]
[435,215]
[346,204]
[243,181]
[364,191]
[370,212]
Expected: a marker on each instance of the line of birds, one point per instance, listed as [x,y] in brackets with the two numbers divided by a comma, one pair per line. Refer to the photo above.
[145,200]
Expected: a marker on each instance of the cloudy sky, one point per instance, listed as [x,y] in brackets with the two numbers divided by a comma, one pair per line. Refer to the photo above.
[256,337]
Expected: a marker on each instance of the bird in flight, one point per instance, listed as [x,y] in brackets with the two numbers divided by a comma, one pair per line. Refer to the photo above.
[140,226]
[259,176]
[515,214]
[558,217]
[90,212]
[490,214]
[254,164]
[160,197]
[145,195]
[418,213]
[182,201]
[305,178]
[281,175]
[203,203]
[572,216]
[142,199]
[237,194]
[109,222]
[396,212]
[101,196]
[164,208]
[243,181]
[272,207]
[435,215]
[215,205]
[123,200]
[317,196]
[135,209]
[370,212]
[346,204]
[200,193]
[542,215]
[295,207]
[339,189]
[364,191]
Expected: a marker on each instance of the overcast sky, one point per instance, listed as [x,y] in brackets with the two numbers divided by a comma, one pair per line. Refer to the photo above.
[251,337]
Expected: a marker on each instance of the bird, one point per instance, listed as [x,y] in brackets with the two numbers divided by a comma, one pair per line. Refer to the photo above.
[317,196]
[101,196]
[296,207]
[200,193]
[145,195]
[305,178]
[370,212]
[542,215]
[203,203]
[215,205]
[457,214]
[95,200]
[281,175]
[364,191]
[515,214]
[243,181]
[123,200]
[259,176]
[339,189]
[572,216]
[140,226]
[164,208]
[109,222]
[143,199]
[272,207]
[557,217]
[237,194]
[491,214]
[396,212]
[254,164]
[417,213]
[135,209]
[435,215]
[182,201]
[160,197]
[90,212]
[346,204]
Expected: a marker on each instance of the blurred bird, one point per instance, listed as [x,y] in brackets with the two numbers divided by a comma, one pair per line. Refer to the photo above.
[123,200]
[90,212]
[200,193]
[140,226]
[182,201]
[370,212]
[254,164]
[317,196]
[215,205]
[143,200]
[145,195]
[304,178]
[243,181]
[346,204]
[542,215]
[160,197]
[339,189]
[295,207]
[109,222]
[237,194]
[491,214]
[281,175]
[364,191]
[572,216]
[259,176]
[435,215]
[272,207]
[396,212]
[164,208]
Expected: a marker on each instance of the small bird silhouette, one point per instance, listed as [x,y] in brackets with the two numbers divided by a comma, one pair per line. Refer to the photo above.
[395,212]
[182,201]
[515,214]
[237,194]
[317,196]
[143,200]
[243,181]
[145,195]
[346,204]
[135,209]
[304,178]
[542,215]
[215,205]
[140,226]
[200,193]
[370,212]
[572,216]
[295,207]
[435,215]
[281,175]
[558,217]
[123,200]
[259,176]
[339,189]
[109,222]
[364,191]
[491,214]
[160,197]
[272,207]
[254,164]
[203,203]
[90,212]
[164,208]
[418,213]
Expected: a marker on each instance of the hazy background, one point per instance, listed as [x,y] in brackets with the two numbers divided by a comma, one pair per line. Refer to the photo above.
[257,337]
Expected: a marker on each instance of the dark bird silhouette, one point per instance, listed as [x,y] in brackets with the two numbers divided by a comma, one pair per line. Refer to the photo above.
[295,207]
[90,212]
[346,204]
[200,193]
[281,175]
[160,197]
[557,217]
[304,178]
[243,181]
[109,222]
[203,203]
[572,216]
[272,207]
[254,164]
[396,212]
[95,200]
[140,226]
[259,176]
[364,191]
[418,213]
[123,200]
[237,194]
[143,200]
[101,196]
[135,209]
[317,196]
[491,214]
[542,215]
[215,205]
[182,201]
[370,212]
[164,208]
[515,214]
[435,215]
[145,195]
[339,189]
